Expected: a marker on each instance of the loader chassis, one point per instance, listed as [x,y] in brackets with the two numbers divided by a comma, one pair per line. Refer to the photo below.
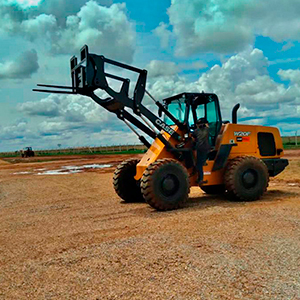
[241,159]
[230,139]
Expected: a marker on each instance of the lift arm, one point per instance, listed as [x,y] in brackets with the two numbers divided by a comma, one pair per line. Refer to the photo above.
[89,75]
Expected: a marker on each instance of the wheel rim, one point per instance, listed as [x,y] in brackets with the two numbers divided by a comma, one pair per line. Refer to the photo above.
[169,185]
[249,178]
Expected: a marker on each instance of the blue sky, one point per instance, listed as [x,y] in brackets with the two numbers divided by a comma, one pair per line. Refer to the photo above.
[232,48]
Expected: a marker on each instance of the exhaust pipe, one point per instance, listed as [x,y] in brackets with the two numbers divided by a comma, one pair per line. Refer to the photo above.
[234,113]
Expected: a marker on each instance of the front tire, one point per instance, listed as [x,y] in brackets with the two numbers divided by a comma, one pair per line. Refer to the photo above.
[246,178]
[125,185]
[165,184]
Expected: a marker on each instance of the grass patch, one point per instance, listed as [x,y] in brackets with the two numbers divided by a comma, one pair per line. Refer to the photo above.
[291,146]
[7,155]
[91,153]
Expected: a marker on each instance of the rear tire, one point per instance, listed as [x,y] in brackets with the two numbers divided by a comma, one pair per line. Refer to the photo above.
[214,189]
[165,184]
[125,185]
[246,178]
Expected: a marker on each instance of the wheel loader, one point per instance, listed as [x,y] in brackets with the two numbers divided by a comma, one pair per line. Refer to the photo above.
[241,159]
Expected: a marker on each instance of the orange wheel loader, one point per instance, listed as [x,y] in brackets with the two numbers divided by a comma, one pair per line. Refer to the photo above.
[240,162]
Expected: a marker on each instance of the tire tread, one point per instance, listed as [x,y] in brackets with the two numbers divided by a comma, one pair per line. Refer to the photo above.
[229,181]
[128,195]
[147,190]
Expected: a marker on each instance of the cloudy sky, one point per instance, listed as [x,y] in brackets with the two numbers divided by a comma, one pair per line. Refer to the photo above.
[245,51]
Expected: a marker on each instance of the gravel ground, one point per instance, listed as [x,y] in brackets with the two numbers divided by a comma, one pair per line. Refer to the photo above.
[70,237]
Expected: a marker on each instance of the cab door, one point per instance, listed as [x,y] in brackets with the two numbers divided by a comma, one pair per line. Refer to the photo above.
[212,115]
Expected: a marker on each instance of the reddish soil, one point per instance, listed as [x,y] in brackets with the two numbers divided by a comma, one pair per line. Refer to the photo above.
[70,237]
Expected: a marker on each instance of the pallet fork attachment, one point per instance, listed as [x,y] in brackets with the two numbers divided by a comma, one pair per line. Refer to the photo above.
[89,74]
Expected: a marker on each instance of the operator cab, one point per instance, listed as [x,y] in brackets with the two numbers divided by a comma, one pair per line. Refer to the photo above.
[189,107]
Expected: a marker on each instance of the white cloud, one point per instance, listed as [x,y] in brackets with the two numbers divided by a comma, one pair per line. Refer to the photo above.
[164,34]
[68,108]
[239,69]
[63,8]
[69,112]
[244,79]
[16,131]
[158,68]
[290,75]
[105,29]
[66,119]
[287,46]
[23,67]
[284,60]
[207,26]
[230,26]
[47,128]
[46,107]
[196,65]
[64,27]
[59,8]
[262,90]
[41,26]
[286,25]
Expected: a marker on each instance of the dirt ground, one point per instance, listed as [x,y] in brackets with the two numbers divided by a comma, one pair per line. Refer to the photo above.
[68,236]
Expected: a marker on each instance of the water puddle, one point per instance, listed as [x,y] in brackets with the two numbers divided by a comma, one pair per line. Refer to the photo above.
[72,169]
[65,170]
[22,173]
[59,172]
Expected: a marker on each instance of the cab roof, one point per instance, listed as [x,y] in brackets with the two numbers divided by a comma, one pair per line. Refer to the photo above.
[199,98]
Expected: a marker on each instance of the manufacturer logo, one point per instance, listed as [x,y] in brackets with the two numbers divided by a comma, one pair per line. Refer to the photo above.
[243,139]
[165,127]
[242,133]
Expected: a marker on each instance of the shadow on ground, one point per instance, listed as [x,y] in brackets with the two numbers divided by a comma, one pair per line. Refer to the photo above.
[207,201]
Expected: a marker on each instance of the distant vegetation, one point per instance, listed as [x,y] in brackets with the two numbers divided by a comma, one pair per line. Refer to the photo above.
[289,142]
[291,146]
[120,149]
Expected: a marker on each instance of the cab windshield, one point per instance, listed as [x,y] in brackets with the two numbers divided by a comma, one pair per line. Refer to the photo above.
[178,109]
